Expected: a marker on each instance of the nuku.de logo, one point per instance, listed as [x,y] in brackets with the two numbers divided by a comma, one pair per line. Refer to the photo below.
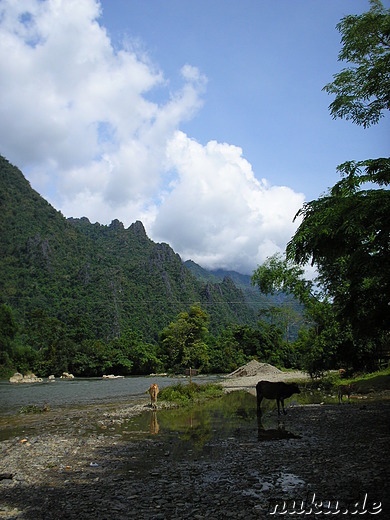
[315,506]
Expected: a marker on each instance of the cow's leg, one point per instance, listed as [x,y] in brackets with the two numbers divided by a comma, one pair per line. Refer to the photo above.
[278,401]
[284,411]
[259,399]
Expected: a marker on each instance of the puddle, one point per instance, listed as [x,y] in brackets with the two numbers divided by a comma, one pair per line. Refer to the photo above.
[197,424]
[282,482]
[233,416]
[273,432]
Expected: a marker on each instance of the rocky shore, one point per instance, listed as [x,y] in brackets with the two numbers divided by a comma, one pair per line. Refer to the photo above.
[76,464]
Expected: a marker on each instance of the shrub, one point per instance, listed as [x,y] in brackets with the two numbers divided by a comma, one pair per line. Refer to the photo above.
[192,392]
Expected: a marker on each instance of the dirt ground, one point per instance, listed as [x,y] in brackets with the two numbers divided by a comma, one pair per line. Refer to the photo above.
[316,460]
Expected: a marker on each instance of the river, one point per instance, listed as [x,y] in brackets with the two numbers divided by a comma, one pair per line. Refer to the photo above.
[79,391]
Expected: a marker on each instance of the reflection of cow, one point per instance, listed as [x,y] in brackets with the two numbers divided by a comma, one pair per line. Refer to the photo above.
[344,390]
[154,427]
[273,434]
[153,391]
[279,391]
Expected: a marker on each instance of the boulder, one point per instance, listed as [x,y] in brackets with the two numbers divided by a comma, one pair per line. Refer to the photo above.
[32,378]
[28,378]
[65,375]
[16,378]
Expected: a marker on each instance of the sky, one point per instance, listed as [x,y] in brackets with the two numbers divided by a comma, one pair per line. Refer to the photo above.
[204,119]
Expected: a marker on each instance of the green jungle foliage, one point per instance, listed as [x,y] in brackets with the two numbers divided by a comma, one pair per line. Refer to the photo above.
[190,393]
[346,232]
[280,308]
[377,383]
[91,299]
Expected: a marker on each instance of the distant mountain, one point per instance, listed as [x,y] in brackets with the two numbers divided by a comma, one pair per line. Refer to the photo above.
[253,297]
[255,300]
[107,277]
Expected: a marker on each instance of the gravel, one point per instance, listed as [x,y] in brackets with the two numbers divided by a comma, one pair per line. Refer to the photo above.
[72,464]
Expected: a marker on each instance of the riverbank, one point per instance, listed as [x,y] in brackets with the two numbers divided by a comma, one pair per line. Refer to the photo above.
[80,463]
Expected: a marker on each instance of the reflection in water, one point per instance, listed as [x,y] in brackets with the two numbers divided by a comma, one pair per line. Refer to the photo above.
[154,427]
[234,415]
[272,434]
[198,425]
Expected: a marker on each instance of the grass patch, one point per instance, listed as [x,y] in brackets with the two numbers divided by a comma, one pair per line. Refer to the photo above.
[33,408]
[362,383]
[375,382]
[190,393]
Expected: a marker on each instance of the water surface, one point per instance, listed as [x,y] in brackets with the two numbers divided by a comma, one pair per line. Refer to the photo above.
[79,392]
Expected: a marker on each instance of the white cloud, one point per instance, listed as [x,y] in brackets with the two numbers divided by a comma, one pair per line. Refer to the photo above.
[77,118]
[217,213]
[70,101]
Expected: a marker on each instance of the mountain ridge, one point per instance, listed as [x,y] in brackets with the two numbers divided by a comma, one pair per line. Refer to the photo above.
[112,277]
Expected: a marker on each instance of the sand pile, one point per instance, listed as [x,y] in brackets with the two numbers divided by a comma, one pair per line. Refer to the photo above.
[254,368]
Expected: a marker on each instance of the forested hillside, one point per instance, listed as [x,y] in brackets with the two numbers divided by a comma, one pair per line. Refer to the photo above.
[290,310]
[96,282]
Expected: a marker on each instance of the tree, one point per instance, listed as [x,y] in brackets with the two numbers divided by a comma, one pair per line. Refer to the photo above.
[317,342]
[285,316]
[129,353]
[183,342]
[226,353]
[346,233]
[363,90]
[91,359]
[278,274]
[8,330]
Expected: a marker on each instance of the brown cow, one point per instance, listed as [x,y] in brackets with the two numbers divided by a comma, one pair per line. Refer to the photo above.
[344,390]
[279,391]
[153,391]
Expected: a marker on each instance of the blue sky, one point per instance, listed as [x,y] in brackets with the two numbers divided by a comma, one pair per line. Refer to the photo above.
[266,64]
[204,119]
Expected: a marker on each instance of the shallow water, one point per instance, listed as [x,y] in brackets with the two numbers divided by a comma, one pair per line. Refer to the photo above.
[76,392]
[198,426]
[190,427]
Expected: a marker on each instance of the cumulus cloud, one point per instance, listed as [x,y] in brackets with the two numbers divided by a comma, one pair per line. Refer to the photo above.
[217,213]
[77,117]
[72,107]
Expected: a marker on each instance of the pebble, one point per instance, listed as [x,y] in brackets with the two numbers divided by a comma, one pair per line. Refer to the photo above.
[55,477]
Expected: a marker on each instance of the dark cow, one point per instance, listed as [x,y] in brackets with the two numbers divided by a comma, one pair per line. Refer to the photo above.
[279,391]
[344,390]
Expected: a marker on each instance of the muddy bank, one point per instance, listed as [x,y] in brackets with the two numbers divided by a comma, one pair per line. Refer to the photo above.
[82,465]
